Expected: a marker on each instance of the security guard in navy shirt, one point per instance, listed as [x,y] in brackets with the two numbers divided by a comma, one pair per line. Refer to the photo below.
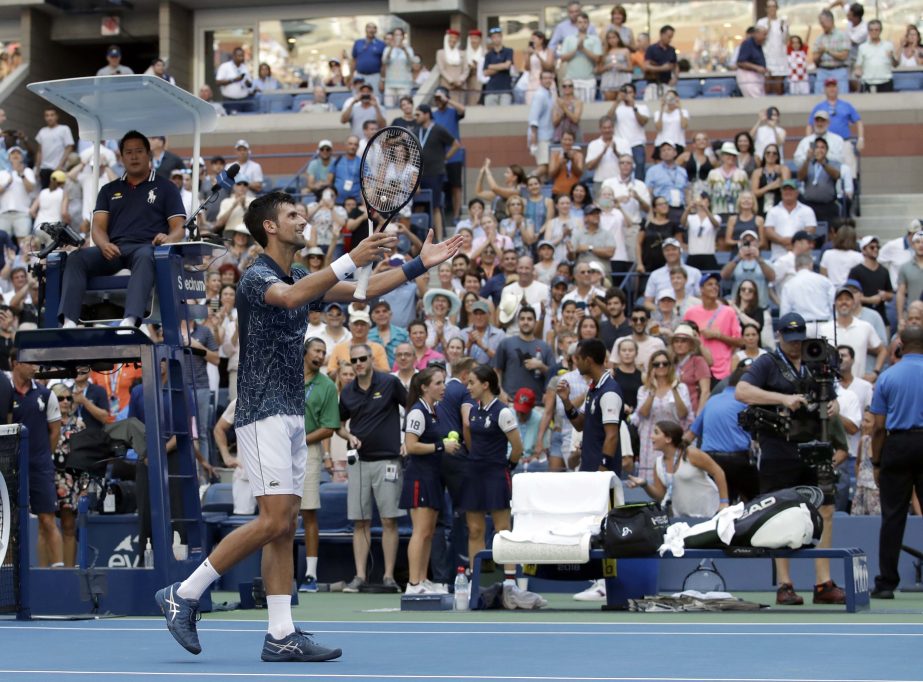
[133,214]
[897,406]
[781,466]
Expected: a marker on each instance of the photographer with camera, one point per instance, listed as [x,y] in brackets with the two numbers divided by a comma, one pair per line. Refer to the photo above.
[233,77]
[793,387]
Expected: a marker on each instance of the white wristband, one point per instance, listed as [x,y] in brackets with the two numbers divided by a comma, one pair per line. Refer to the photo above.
[343,267]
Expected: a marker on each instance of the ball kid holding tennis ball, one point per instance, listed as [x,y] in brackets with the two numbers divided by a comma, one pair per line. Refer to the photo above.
[423,493]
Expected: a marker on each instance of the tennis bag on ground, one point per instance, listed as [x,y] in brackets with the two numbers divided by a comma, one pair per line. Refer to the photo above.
[784,518]
[633,530]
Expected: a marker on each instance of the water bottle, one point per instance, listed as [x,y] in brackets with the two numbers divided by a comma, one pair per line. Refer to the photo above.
[148,555]
[461,590]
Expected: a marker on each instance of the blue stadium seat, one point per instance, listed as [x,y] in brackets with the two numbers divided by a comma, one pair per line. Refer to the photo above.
[908,81]
[689,88]
[722,257]
[218,499]
[640,87]
[301,99]
[275,104]
[718,87]
[338,99]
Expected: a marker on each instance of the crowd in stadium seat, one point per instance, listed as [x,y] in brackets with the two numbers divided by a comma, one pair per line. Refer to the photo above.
[679,256]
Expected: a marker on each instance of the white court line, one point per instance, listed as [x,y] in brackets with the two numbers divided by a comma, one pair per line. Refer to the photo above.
[481,623]
[507,632]
[344,676]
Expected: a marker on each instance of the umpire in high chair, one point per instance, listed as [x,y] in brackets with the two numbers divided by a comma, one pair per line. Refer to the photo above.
[897,406]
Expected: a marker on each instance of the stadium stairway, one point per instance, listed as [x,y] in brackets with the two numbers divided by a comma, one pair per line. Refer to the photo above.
[887,215]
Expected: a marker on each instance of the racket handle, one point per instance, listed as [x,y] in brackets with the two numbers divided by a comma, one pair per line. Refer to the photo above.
[362,282]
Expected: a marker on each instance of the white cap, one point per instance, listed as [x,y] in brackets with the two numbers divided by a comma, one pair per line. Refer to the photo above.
[325,143]
[241,143]
[595,265]
[866,240]
[751,233]
[666,293]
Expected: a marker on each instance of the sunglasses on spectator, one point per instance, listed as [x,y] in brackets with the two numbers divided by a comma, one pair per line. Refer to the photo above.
[747,290]
[770,151]
[361,358]
[403,355]
[638,319]
[662,363]
[568,85]
[68,398]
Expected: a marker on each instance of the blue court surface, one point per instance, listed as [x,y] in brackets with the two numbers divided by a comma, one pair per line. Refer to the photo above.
[645,647]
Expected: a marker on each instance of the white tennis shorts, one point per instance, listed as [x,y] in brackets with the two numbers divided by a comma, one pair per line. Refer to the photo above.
[274,453]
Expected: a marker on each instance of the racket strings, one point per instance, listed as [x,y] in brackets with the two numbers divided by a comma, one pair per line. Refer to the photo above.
[389,175]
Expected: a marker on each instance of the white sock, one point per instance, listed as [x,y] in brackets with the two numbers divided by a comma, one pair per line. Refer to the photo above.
[195,585]
[312,567]
[129,322]
[68,324]
[280,615]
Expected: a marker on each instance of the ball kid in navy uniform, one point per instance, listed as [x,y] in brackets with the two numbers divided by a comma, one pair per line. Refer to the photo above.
[492,426]
[422,492]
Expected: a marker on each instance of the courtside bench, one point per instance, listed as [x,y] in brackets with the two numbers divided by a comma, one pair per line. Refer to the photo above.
[636,585]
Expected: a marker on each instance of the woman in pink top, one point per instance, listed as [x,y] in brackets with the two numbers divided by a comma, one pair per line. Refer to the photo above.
[718,325]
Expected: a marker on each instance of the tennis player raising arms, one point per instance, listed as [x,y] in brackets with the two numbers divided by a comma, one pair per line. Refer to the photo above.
[272,303]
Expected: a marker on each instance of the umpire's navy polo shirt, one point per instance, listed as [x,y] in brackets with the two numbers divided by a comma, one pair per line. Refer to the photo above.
[898,395]
[138,213]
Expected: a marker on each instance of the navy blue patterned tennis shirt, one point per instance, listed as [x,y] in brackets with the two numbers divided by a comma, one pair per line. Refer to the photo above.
[270,378]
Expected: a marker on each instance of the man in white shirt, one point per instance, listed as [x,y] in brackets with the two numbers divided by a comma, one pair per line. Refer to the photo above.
[786,218]
[335,332]
[837,149]
[56,142]
[248,167]
[602,154]
[874,61]
[16,185]
[660,278]
[236,83]
[808,294]
[784,265]
[526,289]
[861,388]
[584,291]
[630,119]
[855,333]
[633,197]
[897,251]
[114,65]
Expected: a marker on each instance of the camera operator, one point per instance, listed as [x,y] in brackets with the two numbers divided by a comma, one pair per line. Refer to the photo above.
[781,380]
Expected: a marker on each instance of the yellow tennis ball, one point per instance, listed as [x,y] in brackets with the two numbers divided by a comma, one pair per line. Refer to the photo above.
[453,435]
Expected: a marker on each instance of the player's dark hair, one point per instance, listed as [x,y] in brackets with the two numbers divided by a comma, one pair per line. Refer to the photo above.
[592,349]
[264,208]
[134,135]
[487,375]
[419,382]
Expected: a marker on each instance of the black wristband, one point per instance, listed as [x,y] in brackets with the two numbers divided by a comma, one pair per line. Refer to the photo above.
[440,447]
[572,413]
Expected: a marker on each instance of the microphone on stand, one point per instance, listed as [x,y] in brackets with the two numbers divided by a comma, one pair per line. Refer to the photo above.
[225,180]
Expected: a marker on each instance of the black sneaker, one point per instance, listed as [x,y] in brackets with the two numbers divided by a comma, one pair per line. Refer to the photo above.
[786,596]
[882,593]
[297,647]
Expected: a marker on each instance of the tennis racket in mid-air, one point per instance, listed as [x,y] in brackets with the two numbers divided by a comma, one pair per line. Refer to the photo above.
[389,175]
